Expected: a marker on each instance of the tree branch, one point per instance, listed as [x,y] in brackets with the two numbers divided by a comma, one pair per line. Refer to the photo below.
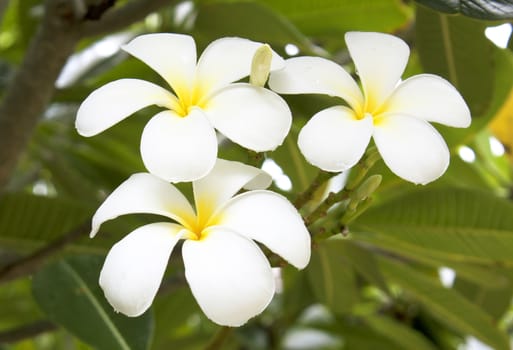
[117,19]
[30,263]
[33,84]
[32,87]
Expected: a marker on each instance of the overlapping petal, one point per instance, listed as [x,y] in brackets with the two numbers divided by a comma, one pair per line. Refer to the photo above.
[143,193]
[224,181]
[229,276]
[380,60]
[432,98]
[334,140]
[134,267]
[227,60]
[179,149]
[271,219]
[411,148]
[316,75]
[173,56]
[117,100]
[251,116]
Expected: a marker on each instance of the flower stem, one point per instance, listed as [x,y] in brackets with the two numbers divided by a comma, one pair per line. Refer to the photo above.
[255,158]
[306,195]
[219,338]
[322,210]
[362,167]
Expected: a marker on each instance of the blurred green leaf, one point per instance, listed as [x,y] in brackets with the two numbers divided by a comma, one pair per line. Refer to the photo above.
[28,220]
[363,262]
[332,18]
[294,165]
[481,9]
[495,301]
[446,305]
[399,333]
[68,292]
[331,278]
[248,20]
[460,224]
[456,48]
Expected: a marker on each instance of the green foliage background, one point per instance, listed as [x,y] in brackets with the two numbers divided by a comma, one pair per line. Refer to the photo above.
[376,286]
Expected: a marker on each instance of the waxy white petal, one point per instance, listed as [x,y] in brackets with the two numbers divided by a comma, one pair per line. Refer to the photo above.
[334,140]
[143,193]
[432,98]
[117,100]
[179,148]
[411,148]
[271,219]
[316,75]
[380,60]
[172,56]
[251,116]
[229,276]
[227,60]
[223,182]
[134,267]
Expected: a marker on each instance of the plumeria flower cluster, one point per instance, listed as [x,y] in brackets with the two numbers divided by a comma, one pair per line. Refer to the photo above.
[229,275]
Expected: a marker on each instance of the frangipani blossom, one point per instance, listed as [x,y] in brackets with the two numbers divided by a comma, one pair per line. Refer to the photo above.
[179,143]
[227,272]
[394,113]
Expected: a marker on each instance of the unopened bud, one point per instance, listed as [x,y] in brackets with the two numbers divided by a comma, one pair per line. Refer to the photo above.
[367,188]
[261,65]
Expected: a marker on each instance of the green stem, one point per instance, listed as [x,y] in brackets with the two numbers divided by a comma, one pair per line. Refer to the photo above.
[307,194]
[255,158]
[219,338]
[322,210]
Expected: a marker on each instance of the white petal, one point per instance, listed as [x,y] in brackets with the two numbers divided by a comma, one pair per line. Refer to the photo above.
[411,148]
[431,98]
[179,148]
[134,267]
[227,60]
[229,276]
[251,116]
[226,179]
[173,56]
[271,219]
[117,100]
[143,193]
[316,75]
[334,140]
[380,60]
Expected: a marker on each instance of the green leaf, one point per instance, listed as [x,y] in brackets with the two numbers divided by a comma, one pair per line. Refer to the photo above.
[332,280]
[68,292]
[450,223]
[399,333]
[446,305]
[27,221]
[495,301]
[294,165]
[332,18]
[481,9]
[456,48]
[363,262]
[249,20]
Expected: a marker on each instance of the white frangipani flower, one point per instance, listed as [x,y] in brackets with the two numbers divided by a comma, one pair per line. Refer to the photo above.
[229,275]
[179,143]
[394,113]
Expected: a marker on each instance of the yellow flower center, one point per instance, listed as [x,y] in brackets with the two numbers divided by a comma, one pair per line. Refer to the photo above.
[199,226]
[189,98]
